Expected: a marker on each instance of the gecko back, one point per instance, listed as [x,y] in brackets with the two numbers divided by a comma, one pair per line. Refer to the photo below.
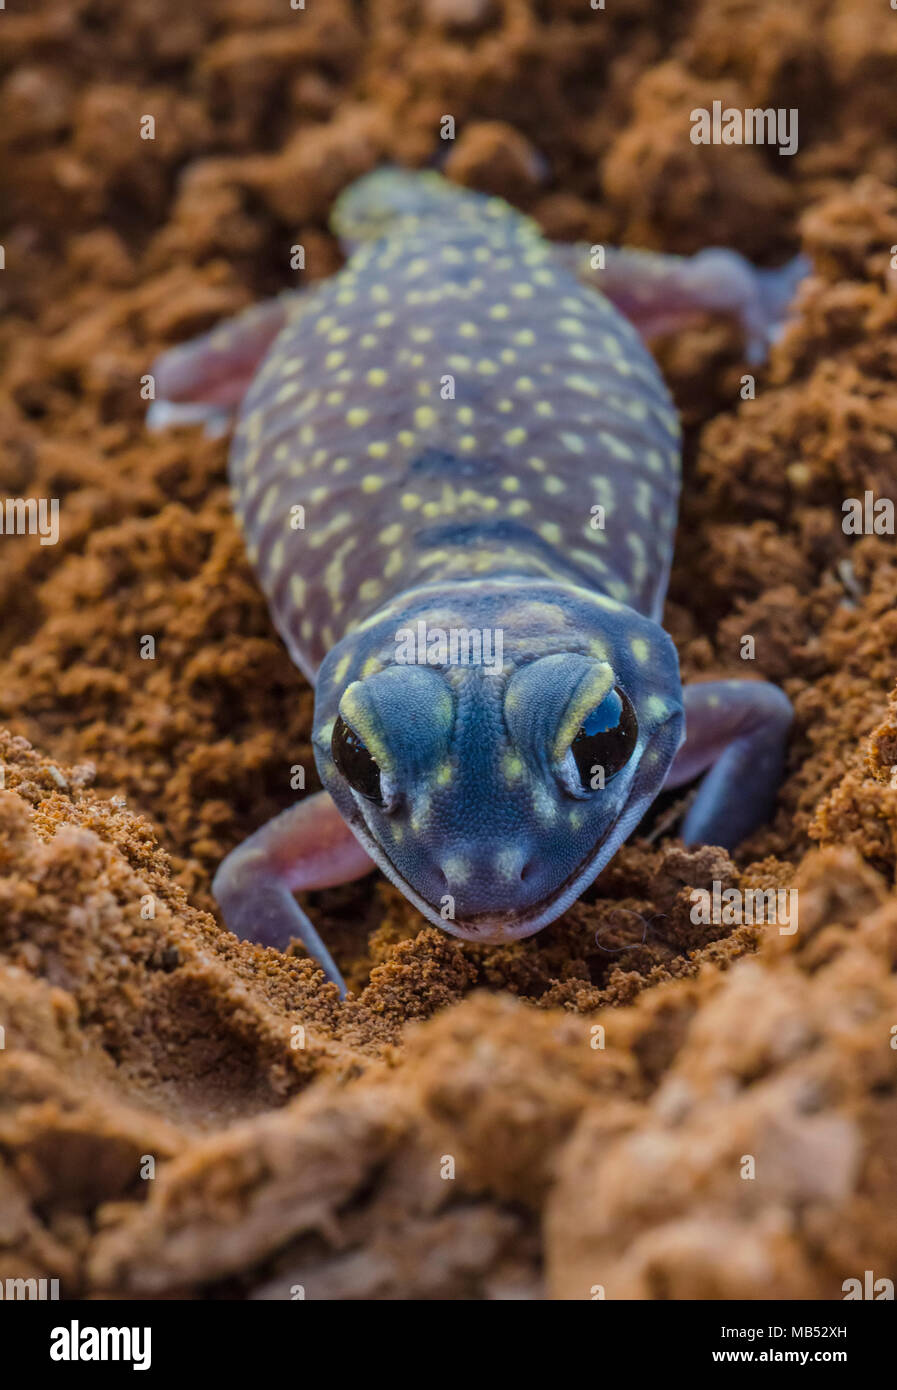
[453,405]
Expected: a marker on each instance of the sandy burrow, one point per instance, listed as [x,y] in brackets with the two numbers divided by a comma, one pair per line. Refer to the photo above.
[730,1134]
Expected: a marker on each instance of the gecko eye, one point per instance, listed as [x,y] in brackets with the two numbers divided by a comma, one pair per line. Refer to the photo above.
[355,762]
[605,740]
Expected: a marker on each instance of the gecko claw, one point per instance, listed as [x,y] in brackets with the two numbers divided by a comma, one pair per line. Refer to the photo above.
[266,913]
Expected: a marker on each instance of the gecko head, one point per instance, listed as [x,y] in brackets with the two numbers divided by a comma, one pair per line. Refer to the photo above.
[493,799]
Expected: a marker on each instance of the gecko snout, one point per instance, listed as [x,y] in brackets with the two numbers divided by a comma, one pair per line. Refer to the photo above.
[489,882]
[510,864]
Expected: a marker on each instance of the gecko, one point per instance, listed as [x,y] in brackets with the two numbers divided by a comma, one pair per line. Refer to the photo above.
[456,466]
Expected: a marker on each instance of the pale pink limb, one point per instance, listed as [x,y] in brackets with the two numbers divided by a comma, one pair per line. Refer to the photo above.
[660,294]
[308,846]
[736,733]
[204,380]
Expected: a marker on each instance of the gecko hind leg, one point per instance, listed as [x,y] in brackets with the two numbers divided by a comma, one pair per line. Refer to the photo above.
[307,846]
[660,294]
[737,730]
[204,380]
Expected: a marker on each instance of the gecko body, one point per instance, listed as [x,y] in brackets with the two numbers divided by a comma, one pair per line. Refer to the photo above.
[457,467]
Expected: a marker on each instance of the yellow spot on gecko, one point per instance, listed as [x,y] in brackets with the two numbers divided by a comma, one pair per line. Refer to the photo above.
[341,668]
[507,864]
[544,807]
[583,384]
[420,814]
[616,446]
[456,869]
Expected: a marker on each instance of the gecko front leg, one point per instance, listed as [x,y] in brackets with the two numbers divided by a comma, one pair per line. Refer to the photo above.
[738,730]
[307,846]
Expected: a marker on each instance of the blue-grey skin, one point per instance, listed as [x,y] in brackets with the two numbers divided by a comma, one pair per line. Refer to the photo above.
[480,442]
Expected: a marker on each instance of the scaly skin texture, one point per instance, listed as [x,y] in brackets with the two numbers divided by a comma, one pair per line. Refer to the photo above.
[456,435]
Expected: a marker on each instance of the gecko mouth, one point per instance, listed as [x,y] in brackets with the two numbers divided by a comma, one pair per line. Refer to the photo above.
[491,927]
[496,927]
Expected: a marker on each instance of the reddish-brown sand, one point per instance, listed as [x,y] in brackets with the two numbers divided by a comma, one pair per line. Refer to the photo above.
[297,1141]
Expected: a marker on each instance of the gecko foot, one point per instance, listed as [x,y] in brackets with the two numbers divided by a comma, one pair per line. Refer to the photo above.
[736,733]
[307,846]
[204,380]
[662,294]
